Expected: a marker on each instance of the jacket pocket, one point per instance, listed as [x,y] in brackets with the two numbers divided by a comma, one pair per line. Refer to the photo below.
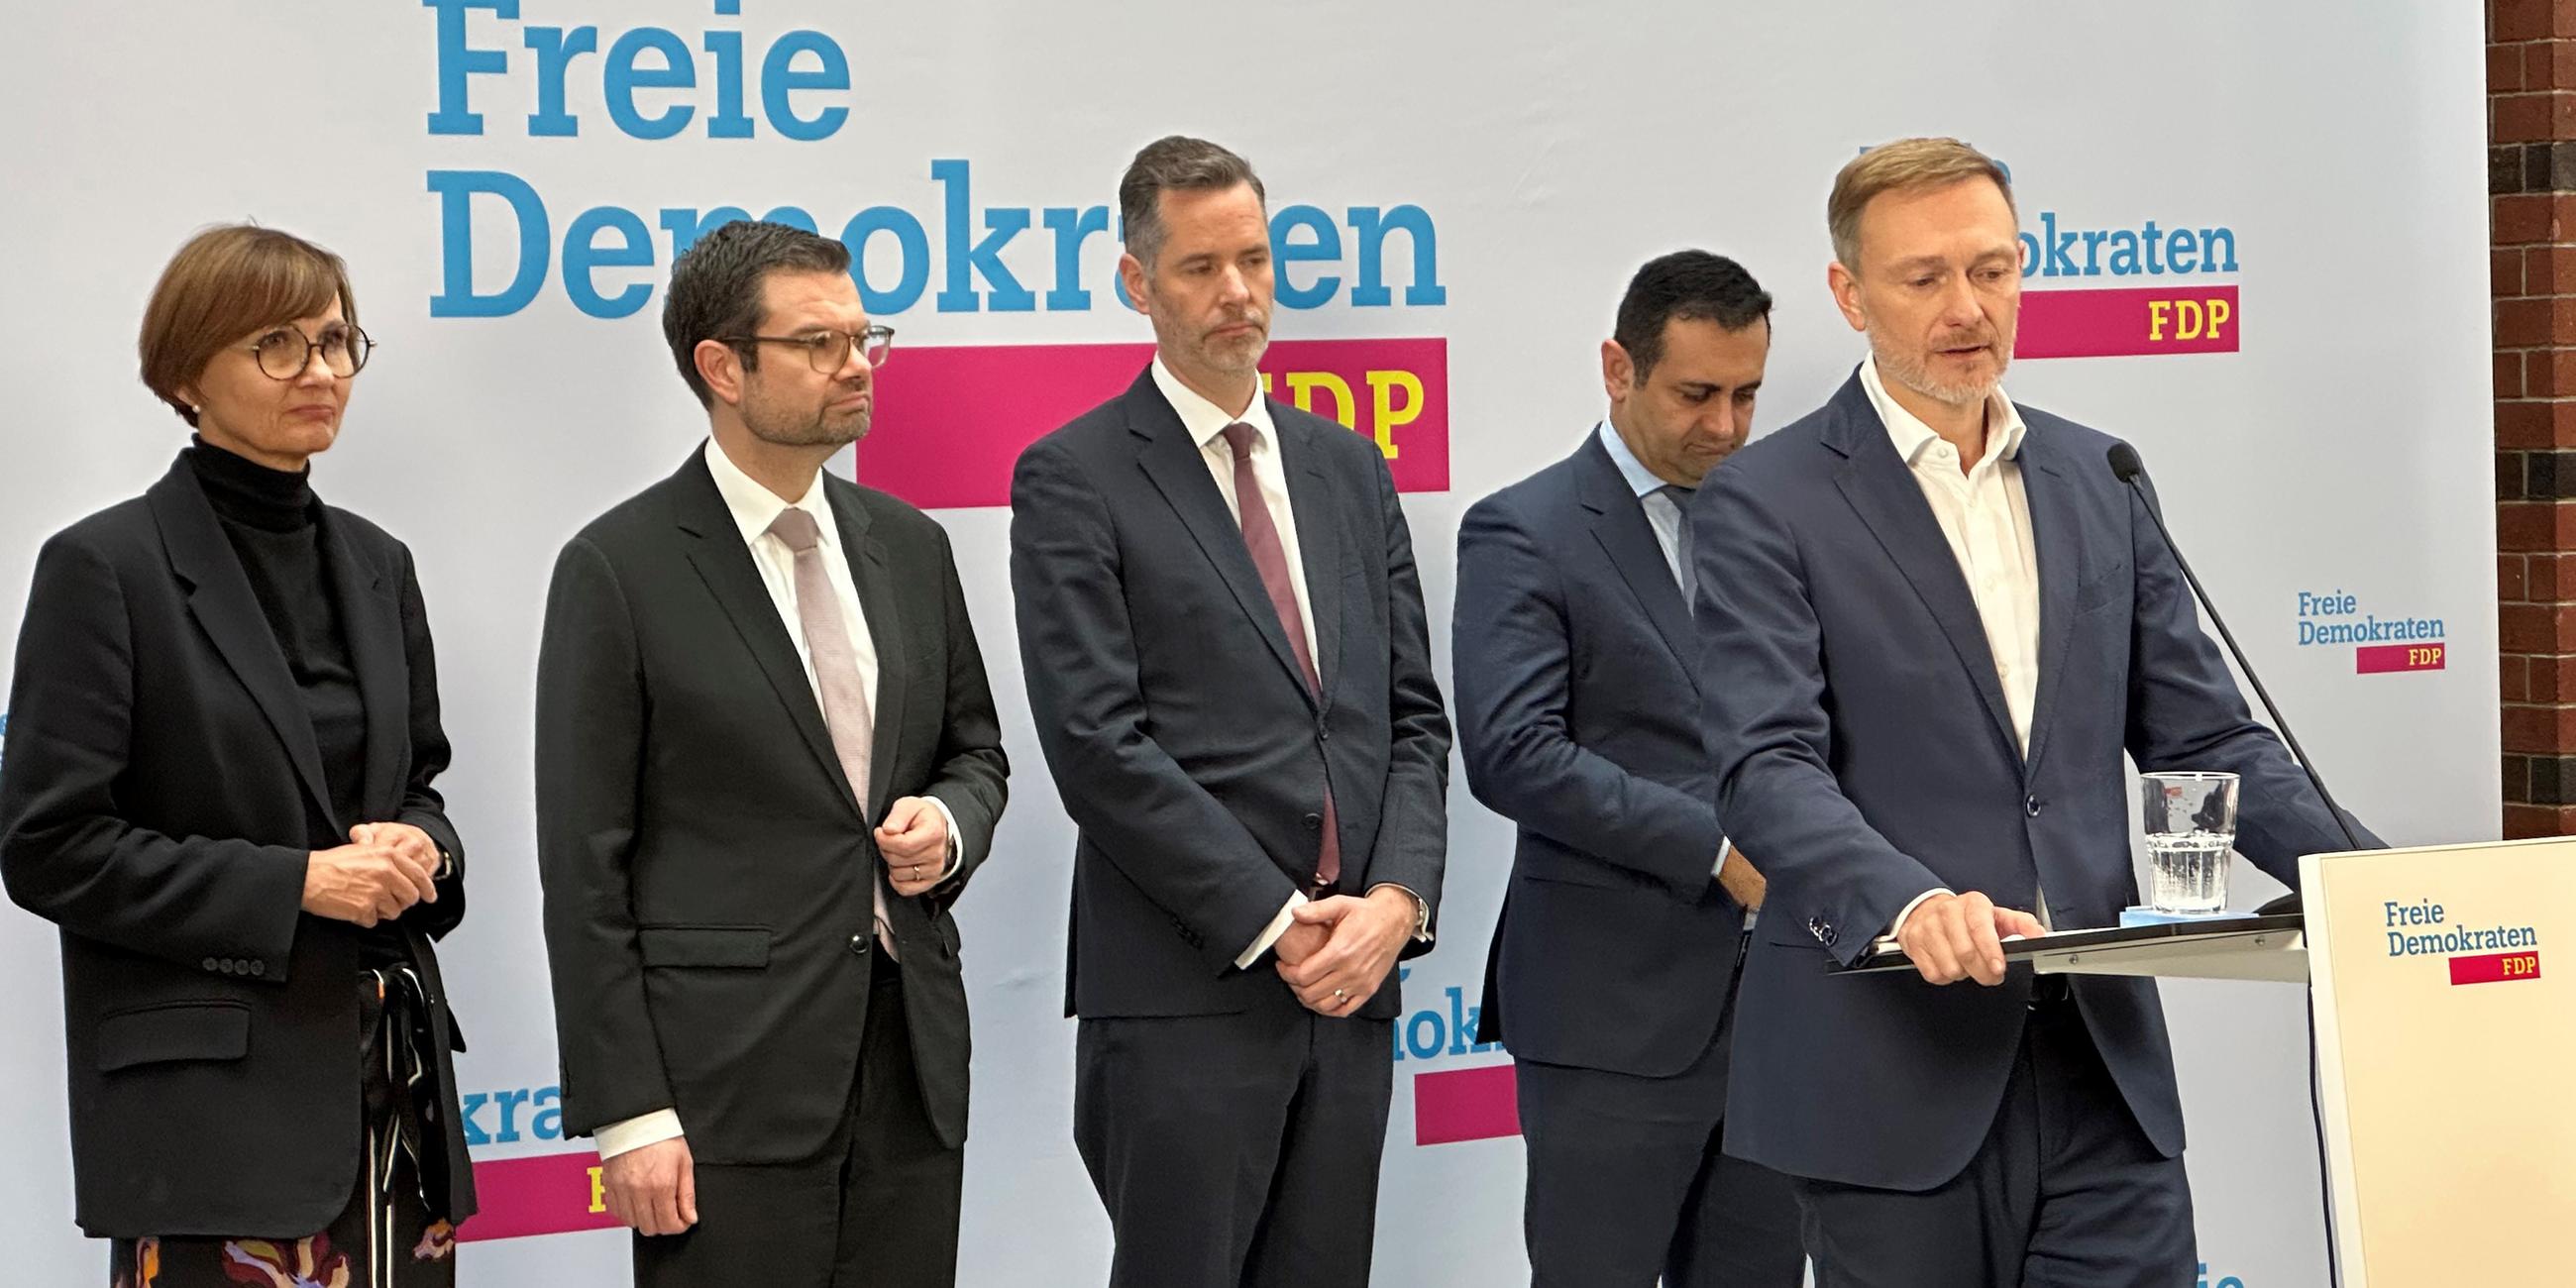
[2105,586]
[214,1029]
[740,947]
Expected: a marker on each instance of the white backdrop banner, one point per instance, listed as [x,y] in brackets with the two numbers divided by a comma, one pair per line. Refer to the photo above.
[2253,245]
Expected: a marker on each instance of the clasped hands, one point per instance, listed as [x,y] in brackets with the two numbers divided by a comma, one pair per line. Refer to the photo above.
[1337,951]
[383,870]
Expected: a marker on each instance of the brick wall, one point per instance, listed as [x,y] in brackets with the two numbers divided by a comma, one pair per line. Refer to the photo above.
[2531,171]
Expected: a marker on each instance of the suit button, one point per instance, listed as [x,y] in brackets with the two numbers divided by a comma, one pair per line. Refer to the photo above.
[859,945]
[211,964]
[2032,805]
[1323,732]
[258,968]
[1312,822]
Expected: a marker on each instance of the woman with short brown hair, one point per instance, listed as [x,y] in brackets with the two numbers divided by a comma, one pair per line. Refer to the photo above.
[223,731]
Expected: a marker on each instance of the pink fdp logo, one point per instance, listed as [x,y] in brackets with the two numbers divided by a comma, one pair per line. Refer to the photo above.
[952,420]
[2127,323]
[540,1194]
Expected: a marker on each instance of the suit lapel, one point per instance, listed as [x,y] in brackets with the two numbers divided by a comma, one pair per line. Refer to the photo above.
[873,573]
[1317,518]
[371,620]
[724,562]
[1884,493]
[219,597]
[1180,473]
[2054,540]
[1618,520]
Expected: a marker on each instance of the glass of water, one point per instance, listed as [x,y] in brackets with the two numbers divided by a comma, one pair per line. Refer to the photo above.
[2191,826]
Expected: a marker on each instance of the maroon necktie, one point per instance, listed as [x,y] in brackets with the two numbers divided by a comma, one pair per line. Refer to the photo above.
[1261,536]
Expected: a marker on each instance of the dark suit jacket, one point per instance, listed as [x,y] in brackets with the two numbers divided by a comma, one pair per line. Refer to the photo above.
[1864,752]
[1578,712]
[707,867]
[161,793]
[1184,739]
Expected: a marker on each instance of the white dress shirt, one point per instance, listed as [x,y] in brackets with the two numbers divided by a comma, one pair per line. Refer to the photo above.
[1206,423]
[754,507]
[1985,518]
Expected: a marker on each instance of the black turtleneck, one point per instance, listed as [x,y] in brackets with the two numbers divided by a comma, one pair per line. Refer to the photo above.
[273,521]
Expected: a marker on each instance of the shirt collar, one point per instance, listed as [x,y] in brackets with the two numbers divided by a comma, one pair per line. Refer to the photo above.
[755,507]
[2004,427]
[1640,479]
[1205,420]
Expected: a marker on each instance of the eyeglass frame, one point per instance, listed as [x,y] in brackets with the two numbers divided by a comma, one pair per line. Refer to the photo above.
[357,362]
[857,339]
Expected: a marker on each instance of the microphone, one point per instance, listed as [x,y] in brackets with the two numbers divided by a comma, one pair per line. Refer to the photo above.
[2126,466]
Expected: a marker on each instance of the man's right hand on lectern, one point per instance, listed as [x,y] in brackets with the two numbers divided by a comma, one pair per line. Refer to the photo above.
[1952,937]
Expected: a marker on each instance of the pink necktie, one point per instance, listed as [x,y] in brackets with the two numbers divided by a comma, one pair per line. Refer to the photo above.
[1261,536]
[836,673]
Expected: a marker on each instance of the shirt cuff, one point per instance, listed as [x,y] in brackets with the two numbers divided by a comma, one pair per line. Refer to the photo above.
[1421,910]
[1897,927]
[1724,846]
[637,1132]
[956,844]
[1270,934]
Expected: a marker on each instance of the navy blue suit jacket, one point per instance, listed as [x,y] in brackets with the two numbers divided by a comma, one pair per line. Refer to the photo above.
[1863,751]
[1184,739]
[1578,713]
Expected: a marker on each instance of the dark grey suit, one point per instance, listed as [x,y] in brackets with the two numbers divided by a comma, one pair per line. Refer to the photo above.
[1233,1136]
[707,863]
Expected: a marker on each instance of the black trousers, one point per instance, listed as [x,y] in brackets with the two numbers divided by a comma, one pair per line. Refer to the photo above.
[1235,1149]
[1628,1183]
[2066,1192]
[877,1208]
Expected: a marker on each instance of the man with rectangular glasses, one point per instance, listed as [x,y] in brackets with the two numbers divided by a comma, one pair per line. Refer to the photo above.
[767,763]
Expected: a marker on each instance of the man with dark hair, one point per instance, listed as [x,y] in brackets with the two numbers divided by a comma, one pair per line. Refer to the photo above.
[767,762]
[1228,663]
[1612,972]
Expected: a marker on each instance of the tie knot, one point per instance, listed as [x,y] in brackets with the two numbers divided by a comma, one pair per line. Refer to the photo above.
[1239,437]
[797,529]
[1677,494]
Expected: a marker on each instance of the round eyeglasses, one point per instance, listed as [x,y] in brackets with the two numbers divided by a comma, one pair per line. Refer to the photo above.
[285,352]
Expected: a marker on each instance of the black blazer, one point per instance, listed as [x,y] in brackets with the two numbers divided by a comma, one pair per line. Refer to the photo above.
[1578,712]
[1184,739]
[160,788]
[707,868]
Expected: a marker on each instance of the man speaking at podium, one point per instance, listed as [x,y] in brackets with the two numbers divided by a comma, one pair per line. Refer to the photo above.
[1932,620]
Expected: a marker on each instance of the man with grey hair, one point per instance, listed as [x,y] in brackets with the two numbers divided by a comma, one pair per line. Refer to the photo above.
[1931,621]
[1231,677]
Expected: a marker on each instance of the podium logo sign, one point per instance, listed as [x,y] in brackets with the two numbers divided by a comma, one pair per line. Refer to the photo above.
[2488,954]
[2335,619]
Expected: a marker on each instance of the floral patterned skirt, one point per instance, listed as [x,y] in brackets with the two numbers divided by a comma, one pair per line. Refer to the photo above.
[385,1238]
